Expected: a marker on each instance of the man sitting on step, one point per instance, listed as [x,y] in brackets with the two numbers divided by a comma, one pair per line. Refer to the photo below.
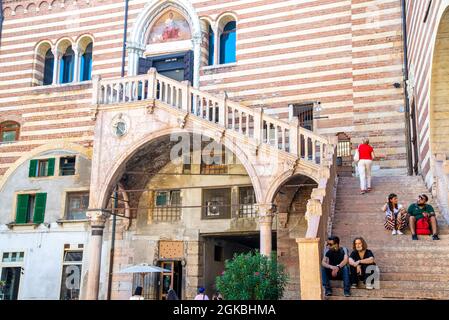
[335,266]
[420,210]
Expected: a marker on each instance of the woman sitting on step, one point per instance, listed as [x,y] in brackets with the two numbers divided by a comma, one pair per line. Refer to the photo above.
[395,215]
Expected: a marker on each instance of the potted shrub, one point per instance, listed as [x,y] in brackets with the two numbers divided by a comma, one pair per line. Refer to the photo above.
[252,276]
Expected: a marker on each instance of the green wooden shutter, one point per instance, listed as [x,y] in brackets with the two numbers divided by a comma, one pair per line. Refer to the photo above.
[22,208]
[33,168]
[39,208]
[51,167]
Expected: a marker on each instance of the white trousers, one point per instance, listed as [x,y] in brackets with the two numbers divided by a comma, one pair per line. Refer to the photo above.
[365,173]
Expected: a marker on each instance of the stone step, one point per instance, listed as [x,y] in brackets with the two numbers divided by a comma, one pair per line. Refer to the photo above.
[414,277]
[396,293]
[404,285]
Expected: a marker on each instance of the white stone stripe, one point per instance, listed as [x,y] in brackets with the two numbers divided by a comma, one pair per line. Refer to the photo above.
[266,17]
[382,103]
[295,76]
[305,53]
[302,86]
[55,131]
[225,5]
[382,92]
[309,96]
[295,44]
[308,20]
[16,63]
[378,81]
[378,58]
[371,3]
[292,34]
[381,46]
[376,13]
[377,24]
[53,112]
[55,121]
[392,68]
[380,35]
[265,70]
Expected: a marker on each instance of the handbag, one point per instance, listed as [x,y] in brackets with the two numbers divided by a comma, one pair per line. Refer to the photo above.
[357,156]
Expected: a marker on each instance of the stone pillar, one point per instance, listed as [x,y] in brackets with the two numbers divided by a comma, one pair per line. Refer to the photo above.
[135,50]
[196,61]
[265,224]
[76,67]
[309,268]
[97,221]
[217,46]
[57,57]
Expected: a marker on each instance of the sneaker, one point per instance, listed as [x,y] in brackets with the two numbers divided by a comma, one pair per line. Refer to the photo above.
[369,287]
[363,192]
[328,293]
[394,232]
[399,232]
[435,237]
[414,237]
[347,294]
[353,286]
[369,189]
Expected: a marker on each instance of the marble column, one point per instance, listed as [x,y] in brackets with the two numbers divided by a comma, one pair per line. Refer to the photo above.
[97,221]
[57,57]
[266,214]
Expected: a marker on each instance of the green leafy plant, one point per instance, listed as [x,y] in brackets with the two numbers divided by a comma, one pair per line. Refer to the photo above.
[252,276]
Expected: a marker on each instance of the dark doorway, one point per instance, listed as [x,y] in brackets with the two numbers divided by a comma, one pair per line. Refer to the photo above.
[344,155]
[221,247]
[11,277]
[171,279]
[177,66]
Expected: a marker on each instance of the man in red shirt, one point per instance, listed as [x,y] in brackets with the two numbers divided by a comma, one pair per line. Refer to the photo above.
[366,157]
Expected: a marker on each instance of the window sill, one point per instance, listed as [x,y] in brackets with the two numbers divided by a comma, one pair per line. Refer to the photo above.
[26,226]
[5,143]
[219,66]
[61,87]
[66,221]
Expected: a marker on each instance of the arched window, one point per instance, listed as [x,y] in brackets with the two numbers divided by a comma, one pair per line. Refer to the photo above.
[86,64]
[67,66]
[48,67]
[9,131]
[228,43]
[211,46]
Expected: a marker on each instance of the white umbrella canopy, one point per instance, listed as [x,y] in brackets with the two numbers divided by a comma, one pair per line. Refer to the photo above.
[143,268]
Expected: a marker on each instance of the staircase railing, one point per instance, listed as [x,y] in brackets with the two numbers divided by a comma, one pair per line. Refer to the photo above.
[249,122]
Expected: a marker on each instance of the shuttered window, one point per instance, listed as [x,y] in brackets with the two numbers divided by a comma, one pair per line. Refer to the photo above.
[31,208]
[42,168]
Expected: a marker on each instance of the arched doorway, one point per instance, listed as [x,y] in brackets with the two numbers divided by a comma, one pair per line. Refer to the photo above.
[167,35]
[291,204]
[192,207]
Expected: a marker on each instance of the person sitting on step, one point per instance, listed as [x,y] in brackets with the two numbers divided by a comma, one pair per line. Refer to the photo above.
[395,215]
[422,210]
[360,260]
[335,266]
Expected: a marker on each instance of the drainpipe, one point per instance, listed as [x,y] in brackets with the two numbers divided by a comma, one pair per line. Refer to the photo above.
[1,20]
[125,31]
[111,253]
[408,133]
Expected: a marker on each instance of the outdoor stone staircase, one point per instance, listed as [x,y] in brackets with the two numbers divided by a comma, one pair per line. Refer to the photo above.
[409,269]
[287,138]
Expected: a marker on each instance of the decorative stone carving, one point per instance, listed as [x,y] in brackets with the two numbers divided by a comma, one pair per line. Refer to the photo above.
[151,106]
[283,219]
[97,218]
[120,125]
[182,121]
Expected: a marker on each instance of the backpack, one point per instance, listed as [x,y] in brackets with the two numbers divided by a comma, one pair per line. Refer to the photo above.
[422,226]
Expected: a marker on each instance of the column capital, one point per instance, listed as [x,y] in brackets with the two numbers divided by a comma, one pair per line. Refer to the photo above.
[266,213]
[133,47]
[97,218]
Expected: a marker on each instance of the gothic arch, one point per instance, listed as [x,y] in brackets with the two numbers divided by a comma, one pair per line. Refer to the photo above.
[152,10]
